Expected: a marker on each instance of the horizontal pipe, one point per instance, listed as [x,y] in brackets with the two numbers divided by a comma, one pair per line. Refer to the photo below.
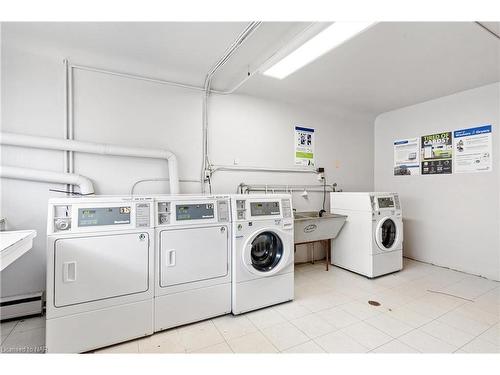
[238,168]
[329,189]
[95,148]
[138,77]
[85,185]
[297,187]
[158,180]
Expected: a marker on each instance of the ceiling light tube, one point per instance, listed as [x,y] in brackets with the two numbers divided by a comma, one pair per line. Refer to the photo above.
[328,39]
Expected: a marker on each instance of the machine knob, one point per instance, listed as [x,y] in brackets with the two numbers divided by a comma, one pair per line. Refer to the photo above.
[163,219]
[222,229]
[62,224]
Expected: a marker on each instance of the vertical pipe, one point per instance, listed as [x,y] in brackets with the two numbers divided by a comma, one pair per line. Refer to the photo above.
[70,135]
[66,116]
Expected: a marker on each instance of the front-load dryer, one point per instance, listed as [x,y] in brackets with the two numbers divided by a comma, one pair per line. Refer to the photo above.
[263,251]
[193,259]
[371,241]
[100,257]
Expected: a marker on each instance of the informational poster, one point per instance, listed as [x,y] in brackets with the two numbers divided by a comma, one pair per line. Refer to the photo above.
[473,148]
[304,146]
[437,153]
[406,157]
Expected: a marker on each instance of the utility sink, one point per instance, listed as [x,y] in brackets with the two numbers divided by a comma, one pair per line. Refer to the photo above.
[309,226]
[13,244]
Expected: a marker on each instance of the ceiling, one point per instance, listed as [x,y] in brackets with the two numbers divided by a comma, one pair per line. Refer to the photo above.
[391,65]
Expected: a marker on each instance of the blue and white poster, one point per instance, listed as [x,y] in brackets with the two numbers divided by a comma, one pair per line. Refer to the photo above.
[406,157]
[473,148]
[304,146]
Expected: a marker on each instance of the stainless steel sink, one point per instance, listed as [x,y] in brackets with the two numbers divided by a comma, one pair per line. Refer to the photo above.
[309,226]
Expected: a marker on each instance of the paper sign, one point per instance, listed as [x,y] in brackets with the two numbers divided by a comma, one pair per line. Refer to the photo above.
[304,146]
[473,149]
[437,153]
[406,157]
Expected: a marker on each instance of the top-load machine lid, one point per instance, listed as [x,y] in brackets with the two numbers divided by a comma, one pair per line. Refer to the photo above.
[364,201]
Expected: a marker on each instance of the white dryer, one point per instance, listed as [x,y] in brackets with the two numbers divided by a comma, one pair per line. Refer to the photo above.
[100,257]
[263,251]
[193,259]
[371,241]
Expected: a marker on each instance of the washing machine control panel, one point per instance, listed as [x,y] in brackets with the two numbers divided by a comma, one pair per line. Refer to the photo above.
[182,212]
[75,216]
[259,209]
[387,204]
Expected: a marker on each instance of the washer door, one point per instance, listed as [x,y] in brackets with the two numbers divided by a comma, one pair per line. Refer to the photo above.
[388,234]
[265,252]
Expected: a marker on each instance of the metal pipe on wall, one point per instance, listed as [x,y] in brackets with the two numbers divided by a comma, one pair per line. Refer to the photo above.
[244,188]
[96,148]
[244,35]
[206,91]
[216,168]
[158,180]
[84,183]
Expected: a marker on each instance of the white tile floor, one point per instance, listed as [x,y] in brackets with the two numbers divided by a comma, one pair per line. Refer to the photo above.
[331,314]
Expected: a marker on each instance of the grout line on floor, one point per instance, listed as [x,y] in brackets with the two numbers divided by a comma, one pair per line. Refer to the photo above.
[10,333]
[224,337]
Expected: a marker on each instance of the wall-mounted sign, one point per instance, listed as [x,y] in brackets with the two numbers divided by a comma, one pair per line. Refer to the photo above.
[406,157]
[304,146]
[437,153]
[473,148]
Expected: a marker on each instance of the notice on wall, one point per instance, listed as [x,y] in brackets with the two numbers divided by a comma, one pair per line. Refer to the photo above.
[473,148]
[437,153]
[406,157]
[304,146]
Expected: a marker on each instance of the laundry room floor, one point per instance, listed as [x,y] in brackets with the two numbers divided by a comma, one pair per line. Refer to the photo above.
[423,308]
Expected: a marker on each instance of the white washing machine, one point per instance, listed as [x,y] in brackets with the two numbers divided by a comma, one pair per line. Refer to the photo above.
[193,259]
[263,251]
[371,241]
[100,272]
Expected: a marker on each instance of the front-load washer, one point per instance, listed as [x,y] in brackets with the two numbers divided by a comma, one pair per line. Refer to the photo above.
[193,259]
[371,241]
[100,274]
[263,251]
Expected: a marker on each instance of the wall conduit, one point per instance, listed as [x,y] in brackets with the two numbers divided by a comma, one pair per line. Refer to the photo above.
[96,148]
[85,185]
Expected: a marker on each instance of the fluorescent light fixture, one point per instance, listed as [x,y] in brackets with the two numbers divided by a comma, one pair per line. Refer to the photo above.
[326,40]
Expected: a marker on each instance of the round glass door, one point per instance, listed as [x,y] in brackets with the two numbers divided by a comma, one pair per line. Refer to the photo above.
[388,233]
[266,251]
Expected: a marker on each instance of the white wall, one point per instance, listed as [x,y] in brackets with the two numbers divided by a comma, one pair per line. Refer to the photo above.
[138,113]
[450,220]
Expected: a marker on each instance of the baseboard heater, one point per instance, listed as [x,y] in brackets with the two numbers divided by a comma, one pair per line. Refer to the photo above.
[19,306]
